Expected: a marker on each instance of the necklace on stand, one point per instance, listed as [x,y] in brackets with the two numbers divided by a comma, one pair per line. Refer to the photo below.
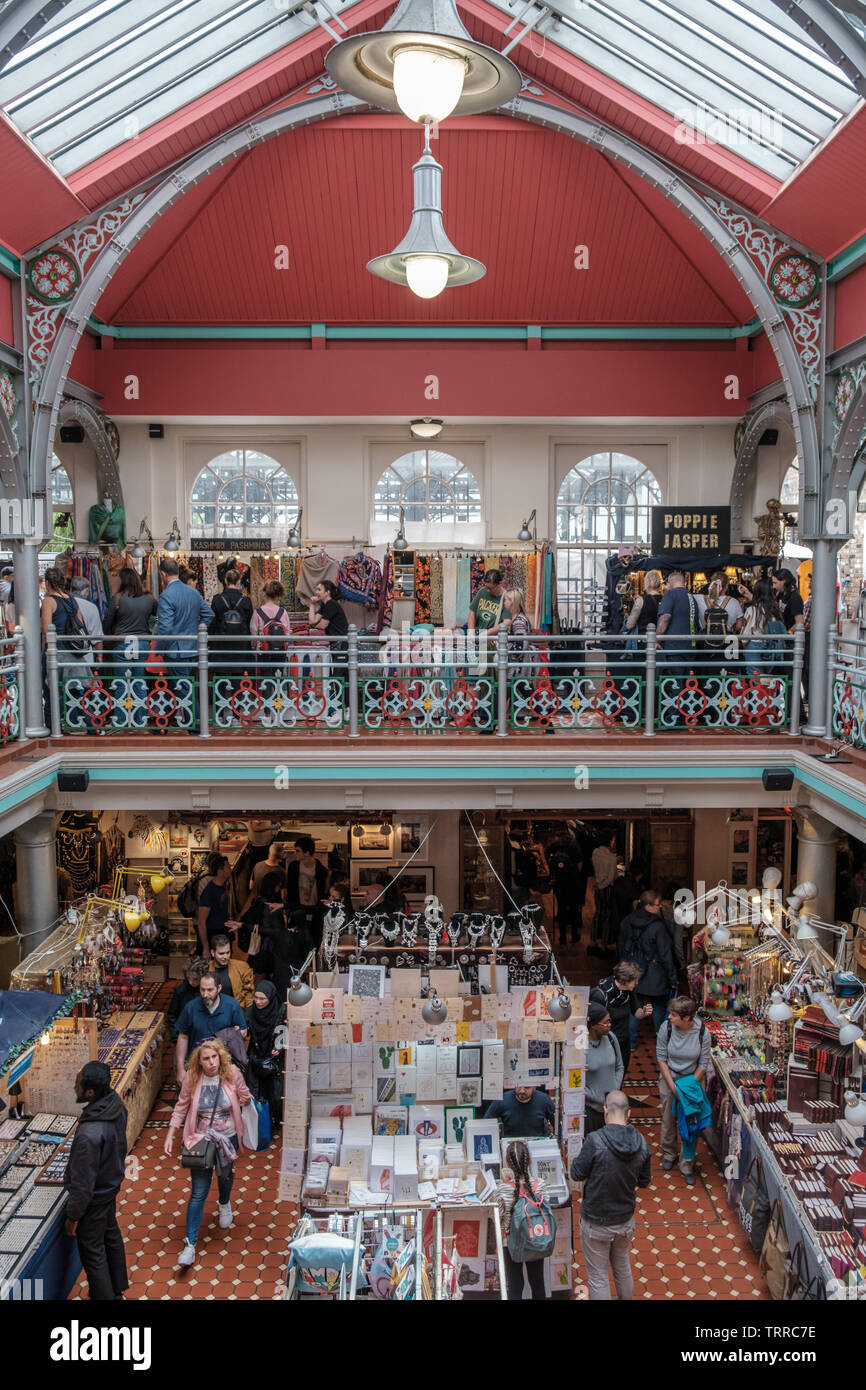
[363,927]
[335,918]
[497,931]
[389,934]
[527,932]
[456,927]
[477,928]
[411,924]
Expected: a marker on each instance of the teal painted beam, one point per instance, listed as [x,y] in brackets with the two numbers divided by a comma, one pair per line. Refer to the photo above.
[423,332]
[9,264]
[847,260]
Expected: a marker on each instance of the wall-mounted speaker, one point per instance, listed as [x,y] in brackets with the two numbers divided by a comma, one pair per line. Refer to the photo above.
[73,780]
[155,431]
[779,779]
[71,434]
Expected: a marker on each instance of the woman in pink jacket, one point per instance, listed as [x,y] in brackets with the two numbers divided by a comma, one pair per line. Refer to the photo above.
[209,1107]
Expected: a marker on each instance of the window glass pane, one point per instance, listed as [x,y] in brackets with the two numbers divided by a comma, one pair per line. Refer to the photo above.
[244,485]
[228,465]
[205,487]
[233,491]
[256,491]
[61,488]
[433,487]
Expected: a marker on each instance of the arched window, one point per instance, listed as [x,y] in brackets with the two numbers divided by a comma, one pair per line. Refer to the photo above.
[243,493]
[603,503]
[62,508]
[430,487]
[789,494]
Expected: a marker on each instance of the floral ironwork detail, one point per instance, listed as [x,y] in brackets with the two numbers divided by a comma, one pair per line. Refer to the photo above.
[427,702]
[54,278]
[723,701]
[848,384]
[277,701]
[577,702]
[849,711]
[8,395]
[8,709]
[793,280]
[129,701]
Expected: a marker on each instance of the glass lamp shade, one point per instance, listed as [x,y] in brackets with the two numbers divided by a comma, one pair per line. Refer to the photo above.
[426,276]
[426,428]
[805,930]
[779,1010]
[721,936]
[428,82]
[855,1109]
[849,1033]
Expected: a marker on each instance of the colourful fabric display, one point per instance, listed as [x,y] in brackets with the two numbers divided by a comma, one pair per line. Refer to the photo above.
[314,570]
[532,588]
[436,590]
[476,574]
[464,589]
[256,578]
[287,579]
[360,580]
[386,594]
[449,591]
[518,573]
[422,588]
[547,585]
[272,568]
[210,578]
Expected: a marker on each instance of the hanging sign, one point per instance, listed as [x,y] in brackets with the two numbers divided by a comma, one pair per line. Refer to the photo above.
[231,545]
[692,530]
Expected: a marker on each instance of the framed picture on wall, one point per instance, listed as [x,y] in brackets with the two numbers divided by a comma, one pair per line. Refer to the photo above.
[739,873]
[372,843]
[197,860]
[408,836]
[741,840]
[177,837]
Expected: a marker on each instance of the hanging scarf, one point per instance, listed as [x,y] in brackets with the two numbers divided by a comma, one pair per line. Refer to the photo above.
[287,579]
[476,574]
[436,600]
[449,591]
[263,1022]
[386,594]
[422,588]
[464,590]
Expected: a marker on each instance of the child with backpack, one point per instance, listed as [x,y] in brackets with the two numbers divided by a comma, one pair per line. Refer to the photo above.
[528,1224]
[270,626]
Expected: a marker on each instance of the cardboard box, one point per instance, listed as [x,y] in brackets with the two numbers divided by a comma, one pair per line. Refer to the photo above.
[382,1162]
[338,1184]
[404,1187]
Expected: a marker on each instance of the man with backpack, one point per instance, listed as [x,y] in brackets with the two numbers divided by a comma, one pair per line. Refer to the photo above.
[683,1055]
[644,940]
[613,1163]
[232,615]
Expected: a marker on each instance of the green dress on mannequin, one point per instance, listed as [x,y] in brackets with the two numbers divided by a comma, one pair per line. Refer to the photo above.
[106,524]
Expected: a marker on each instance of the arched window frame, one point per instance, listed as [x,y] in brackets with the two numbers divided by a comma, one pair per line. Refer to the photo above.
[62,504]
[229,468]
[582,549]
[398,485]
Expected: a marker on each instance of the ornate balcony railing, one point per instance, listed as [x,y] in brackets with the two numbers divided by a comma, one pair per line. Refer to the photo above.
[846,693]
[11,674]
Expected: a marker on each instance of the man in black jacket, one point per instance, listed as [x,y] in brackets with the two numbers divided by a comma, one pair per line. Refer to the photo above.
[613,1163]
[188,989]
[644,939]
[93,1177]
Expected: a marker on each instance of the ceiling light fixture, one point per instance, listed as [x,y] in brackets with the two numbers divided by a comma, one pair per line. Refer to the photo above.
[425,259]
[426,428]
[425,63]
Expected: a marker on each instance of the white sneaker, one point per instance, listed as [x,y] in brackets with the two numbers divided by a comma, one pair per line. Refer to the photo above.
[187,1255]
[226,1217]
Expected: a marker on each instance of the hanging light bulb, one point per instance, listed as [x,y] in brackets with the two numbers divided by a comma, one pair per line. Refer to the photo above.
[434,1010]
[425,259]
[294,537]
[425,63]
[849,1033]
[780,1010]
[855,1108]
[559,1008]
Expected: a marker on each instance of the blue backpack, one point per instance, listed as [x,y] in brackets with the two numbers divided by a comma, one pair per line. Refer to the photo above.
[533,1229]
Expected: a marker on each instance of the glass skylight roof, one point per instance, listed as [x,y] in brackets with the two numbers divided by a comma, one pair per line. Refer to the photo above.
[740,73]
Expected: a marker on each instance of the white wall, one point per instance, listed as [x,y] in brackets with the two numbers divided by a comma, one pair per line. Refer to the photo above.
[335,467]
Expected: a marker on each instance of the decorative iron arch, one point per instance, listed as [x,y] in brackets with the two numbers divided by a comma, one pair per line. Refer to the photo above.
[147,208]
[849,456]
[749,433]
[13,481]
[96,427]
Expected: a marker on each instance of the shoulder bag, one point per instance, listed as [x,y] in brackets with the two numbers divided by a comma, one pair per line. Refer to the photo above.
[202,1154]
[775,1254]
[753,1207]
[799,1288]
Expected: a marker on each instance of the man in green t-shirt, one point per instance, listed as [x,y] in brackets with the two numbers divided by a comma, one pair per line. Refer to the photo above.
[487,609]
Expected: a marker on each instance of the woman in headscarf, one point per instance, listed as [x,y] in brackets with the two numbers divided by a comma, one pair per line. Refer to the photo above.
[266,1048]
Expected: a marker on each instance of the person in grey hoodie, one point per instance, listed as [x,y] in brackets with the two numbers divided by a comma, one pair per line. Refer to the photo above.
[604,1068]
[682,1049]
[613,1163]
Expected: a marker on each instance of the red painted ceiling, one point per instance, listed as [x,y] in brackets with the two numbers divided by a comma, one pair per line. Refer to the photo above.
[822,205]
[517,197]
[35,202]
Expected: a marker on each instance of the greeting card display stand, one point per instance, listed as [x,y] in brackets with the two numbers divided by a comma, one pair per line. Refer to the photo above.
[382,1110]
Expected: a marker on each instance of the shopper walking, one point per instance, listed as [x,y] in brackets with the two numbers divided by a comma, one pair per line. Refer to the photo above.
[231,659]
[265,1017]
[187,990]
[677,622]
[272,865]
[604,866]
[204,1018]
[307,885]
[130,614]
[74,656]
[788,598]
[209,1108]
[212,916]
[93,1178]
[683,1054]
[508,1195]
[643,940]
[235,976]
[645,609]
[613,1163]
[604,1067]
[180,612]
[565,862]
[617,993]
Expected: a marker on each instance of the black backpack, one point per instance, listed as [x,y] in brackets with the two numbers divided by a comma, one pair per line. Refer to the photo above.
[73,624]
[232,622]
[187,898]
[273,628]
[716,622]
[701,1031]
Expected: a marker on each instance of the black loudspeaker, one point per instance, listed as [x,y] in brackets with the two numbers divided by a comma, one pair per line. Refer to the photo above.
[73,781]
[155,431]
[778,780]
[769,437]
[71,434]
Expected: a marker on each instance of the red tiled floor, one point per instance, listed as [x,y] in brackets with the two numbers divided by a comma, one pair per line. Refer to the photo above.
[687,1246]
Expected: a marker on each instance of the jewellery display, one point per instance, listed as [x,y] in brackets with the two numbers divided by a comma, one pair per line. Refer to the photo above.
[497,931]
[411,925]
[456,927]
[335,919]
[363,928]
[477,926]
[527,932]
[389,934]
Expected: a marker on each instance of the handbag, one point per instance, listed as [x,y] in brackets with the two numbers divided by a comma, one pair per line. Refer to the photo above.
[799,1288]
[250,1126]
[255,942]
[155,666]
[202,1154]
[776,1254]
[753,1208]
